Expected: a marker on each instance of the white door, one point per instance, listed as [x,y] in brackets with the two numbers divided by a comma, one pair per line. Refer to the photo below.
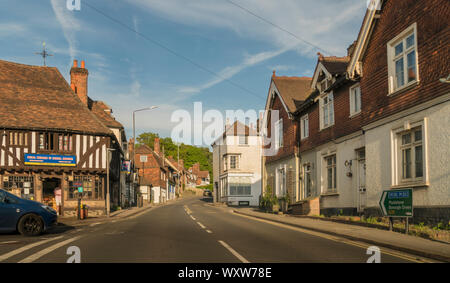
[362,195]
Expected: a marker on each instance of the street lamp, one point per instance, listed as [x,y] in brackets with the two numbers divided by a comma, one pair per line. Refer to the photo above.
[108,197]
[134,135]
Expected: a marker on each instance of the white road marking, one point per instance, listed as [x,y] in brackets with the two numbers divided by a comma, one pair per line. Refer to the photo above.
[25,248]
[193,218]
[48,250]
[235,253]
[209,231]
[201,225]
[94,224]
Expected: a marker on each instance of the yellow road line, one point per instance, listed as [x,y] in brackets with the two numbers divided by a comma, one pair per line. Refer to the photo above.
[337,239]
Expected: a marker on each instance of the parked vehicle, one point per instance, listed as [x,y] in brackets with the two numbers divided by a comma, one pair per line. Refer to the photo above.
[207,193]
[30,218]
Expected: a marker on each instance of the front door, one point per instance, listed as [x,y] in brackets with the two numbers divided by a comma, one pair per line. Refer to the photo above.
[52,193]
[362,194]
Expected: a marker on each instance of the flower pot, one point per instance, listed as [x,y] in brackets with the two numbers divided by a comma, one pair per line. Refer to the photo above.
[275,208]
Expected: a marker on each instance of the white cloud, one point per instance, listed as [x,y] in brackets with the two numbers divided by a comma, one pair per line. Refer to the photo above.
[319,22]
[68,24]
[229,72]
[7,29]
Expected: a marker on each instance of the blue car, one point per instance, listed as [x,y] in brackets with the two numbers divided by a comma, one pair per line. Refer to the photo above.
[28,217]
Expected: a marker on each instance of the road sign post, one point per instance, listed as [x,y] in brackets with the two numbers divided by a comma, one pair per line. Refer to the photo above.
[397,203]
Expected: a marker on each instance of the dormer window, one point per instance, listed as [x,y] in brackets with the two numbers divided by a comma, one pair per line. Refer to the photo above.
[324,85]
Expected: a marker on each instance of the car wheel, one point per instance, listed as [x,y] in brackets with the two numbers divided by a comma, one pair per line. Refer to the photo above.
[30,225]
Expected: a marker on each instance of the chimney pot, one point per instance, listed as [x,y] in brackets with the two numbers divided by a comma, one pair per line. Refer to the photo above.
[75,63]
[82,64]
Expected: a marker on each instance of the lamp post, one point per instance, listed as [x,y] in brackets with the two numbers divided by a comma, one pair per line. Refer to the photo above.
[108,197]
[134,137]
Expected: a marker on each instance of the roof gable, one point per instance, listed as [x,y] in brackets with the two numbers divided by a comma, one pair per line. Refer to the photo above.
[354,67]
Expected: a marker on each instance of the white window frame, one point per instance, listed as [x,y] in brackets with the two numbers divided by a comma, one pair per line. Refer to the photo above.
[325,81]
[355,102]
[245,140]
[397,161]
[304,127]
[237,163]
[392,58]
[334,176]
[279,134]
[330,110]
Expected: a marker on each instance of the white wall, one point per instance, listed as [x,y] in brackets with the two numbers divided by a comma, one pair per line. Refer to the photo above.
[379,157]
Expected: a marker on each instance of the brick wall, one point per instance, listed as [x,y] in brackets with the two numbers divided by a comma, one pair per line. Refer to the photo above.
[343,124]
[289,132]
[150,172]
[433,39]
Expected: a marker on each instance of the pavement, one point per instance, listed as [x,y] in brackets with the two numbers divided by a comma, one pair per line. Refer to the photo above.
[191,230]
[393,240]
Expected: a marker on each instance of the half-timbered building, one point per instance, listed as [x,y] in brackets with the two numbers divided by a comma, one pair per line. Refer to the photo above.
[53,149]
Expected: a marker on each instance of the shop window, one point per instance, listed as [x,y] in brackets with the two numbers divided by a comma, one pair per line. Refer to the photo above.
[22,186]
[92,188]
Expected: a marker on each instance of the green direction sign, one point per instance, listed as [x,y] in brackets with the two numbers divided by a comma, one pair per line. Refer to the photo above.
[397,203]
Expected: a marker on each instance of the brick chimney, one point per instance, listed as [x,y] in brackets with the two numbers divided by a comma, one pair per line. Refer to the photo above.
[79,81]
[156,146]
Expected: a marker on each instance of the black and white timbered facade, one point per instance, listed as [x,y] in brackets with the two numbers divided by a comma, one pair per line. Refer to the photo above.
[53,149]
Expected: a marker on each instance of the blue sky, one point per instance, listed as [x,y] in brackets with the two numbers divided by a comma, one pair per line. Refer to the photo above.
[129,72]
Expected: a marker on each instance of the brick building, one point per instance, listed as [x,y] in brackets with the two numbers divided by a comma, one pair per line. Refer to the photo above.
[280,169]
[378,119]
[331,142]
[402,52]
[157,175]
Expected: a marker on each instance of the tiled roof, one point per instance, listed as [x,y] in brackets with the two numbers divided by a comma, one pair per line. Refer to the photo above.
[335,65]
[103,113]
[145,149]
[203,174]
[33,97]
[239,129]
[293,90]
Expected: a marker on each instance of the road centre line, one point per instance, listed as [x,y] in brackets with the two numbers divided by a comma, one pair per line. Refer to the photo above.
[193,218]
[201,225]
[209,231]
[336,239]
[235,253]
[25,248]
[48,250]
